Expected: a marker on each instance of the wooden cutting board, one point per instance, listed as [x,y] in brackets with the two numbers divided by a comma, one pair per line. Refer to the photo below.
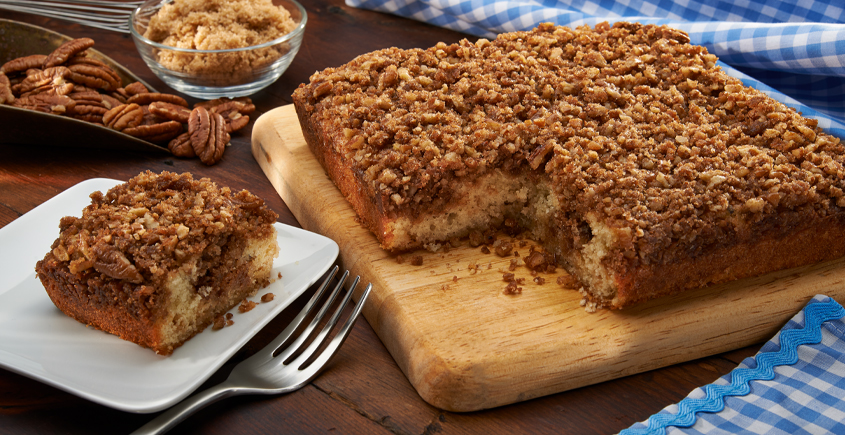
[465,345]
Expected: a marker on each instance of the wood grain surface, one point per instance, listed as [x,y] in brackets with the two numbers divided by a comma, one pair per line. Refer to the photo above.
[465,345]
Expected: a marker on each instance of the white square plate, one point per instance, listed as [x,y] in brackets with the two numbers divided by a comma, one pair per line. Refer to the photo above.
[39,341]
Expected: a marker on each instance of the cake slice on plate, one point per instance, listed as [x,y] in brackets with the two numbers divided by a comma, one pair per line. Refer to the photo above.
[156,259]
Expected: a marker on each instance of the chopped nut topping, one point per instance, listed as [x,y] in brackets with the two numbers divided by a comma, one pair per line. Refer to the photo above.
[152,209]
[629,123]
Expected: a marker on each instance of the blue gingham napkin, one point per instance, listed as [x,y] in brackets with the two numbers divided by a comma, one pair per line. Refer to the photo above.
[792,49]
[794,385]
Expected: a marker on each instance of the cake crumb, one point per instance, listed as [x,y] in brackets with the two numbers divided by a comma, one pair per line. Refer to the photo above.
[512,289]
[535,260]
[267,297]
[219,323]
[567,281]
[472,268]
[417,260]
[485,249]
[222,321]
[476,239]
[539,280]
[503,248]
[246,305]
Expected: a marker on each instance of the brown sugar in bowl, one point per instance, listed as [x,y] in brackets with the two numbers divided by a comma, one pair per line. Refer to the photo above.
[230,60]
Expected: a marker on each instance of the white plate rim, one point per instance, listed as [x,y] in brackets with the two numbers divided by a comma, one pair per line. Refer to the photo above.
[70,202]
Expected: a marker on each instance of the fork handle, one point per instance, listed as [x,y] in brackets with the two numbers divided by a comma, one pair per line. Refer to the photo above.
[185,408]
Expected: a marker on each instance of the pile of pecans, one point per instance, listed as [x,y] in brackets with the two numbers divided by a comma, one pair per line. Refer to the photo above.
[68,82]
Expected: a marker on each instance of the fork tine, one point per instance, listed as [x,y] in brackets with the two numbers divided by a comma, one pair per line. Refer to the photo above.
[321,336]
[297,321]
[331,349]
[261,373]
[293,347]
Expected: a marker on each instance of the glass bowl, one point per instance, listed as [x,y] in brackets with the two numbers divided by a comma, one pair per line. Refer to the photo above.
[210,74]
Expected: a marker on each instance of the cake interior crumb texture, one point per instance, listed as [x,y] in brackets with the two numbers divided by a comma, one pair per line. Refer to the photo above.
[627,152]
[155,259]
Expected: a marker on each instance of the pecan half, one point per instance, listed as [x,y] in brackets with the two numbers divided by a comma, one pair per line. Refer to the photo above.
[64,52]
[110,102]
[77,87]
[91,62]
[6,95]
[173,112]
[61,89]
[22,64]
[181,146]
[93,98]
[51,77]
[149,97]
[244,104]
[231,113]
[149,118]
[135,88]
[236,121]
[88,111]
[119,94]
[161,132]
[111,262]
[123,117]
[85,60]
[208,135]
[48,103]
[98,77]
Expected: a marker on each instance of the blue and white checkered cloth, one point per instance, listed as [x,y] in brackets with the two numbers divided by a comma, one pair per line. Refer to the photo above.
[794,385]
[794,46]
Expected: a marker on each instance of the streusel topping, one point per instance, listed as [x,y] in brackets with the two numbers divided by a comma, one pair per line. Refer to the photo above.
[141,230]
[631,123]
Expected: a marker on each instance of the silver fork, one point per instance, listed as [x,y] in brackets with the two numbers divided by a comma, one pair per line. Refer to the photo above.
[264,373]
[103,14]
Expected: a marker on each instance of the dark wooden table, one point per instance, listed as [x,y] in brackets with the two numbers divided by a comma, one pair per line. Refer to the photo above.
[363,390]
